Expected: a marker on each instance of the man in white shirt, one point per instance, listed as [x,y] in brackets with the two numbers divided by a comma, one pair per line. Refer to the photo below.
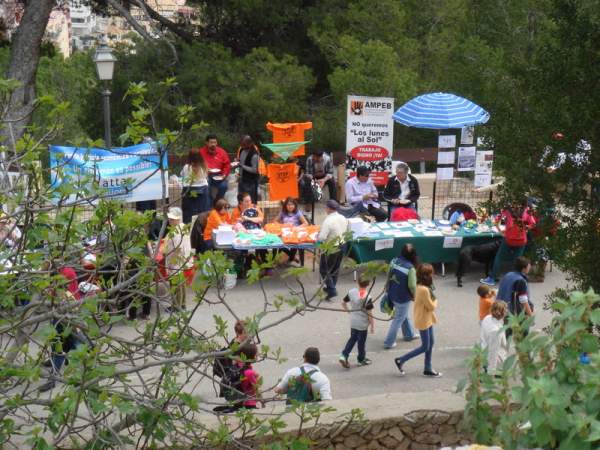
[321,387]
[362,194]
[333,228]
[492,338]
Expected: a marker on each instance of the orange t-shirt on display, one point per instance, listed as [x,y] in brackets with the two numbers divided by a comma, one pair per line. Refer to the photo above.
[289,132]
[283,182]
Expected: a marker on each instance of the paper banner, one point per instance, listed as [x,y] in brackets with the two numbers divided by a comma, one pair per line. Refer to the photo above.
[466,135]
[382,244]
[447,141]
[466,159]
[445,173]
[446,157]
[453,242]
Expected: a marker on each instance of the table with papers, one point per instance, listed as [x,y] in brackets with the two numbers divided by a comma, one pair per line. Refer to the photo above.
[434,241]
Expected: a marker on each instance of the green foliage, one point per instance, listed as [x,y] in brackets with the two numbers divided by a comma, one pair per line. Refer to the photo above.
[544,395]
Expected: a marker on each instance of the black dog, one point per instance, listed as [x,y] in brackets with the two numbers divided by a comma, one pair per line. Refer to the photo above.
[484,253]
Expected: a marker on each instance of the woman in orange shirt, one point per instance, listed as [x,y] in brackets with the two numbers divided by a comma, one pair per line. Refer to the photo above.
[218,216]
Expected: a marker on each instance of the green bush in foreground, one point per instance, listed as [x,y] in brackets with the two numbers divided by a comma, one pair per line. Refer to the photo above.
[547,393]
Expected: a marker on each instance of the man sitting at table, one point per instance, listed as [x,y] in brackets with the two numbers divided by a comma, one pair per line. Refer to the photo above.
[402,190]
[362,195]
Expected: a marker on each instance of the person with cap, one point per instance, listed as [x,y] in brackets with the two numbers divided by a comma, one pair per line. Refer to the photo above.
[319,168]
[332,230]
[319,382]
[178,256]
[363,196]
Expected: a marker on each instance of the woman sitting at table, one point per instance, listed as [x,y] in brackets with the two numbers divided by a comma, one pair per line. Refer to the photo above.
[250,217]
[291,215]
[218,216]
[247,214]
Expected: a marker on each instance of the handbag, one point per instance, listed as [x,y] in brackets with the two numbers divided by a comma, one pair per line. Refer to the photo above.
[385,305]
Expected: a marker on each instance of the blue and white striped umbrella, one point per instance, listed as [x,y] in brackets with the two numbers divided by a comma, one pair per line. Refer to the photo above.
[439,111]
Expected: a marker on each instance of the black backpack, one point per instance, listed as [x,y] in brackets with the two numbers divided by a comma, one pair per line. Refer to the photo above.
[300,387]
[232,382]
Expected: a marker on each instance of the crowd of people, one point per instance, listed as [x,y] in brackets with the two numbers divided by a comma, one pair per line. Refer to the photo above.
[409,283]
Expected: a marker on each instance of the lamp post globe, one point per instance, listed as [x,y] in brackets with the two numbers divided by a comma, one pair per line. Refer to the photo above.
[105,66]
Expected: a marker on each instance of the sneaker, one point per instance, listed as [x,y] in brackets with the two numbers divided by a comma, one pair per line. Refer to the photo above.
[432,374]
[47,386]
[344,362]
[390,347]
[365,362]
[414,338]
[488,280]
[399,365]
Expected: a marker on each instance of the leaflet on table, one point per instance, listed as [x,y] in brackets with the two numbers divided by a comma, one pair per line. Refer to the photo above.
[397,233]
[401,225]
[432,233]
[381,244]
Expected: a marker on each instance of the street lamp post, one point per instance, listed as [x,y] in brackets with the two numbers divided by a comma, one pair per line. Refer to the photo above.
[105,65]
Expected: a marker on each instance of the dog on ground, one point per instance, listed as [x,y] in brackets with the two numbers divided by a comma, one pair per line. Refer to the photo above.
[484,253]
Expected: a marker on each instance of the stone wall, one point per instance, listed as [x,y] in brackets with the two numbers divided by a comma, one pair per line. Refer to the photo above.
[417,430]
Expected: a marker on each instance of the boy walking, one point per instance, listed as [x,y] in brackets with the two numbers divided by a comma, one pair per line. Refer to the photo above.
[360,321]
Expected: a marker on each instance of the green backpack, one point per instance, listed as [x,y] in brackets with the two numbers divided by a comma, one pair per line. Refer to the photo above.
[300,388]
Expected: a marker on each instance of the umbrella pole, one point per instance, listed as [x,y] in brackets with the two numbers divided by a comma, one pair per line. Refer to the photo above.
[435,181]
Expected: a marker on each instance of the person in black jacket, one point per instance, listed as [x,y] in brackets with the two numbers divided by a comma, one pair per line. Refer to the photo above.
[403,189]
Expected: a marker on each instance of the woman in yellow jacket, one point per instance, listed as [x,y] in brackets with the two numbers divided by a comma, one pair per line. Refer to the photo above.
[424,319]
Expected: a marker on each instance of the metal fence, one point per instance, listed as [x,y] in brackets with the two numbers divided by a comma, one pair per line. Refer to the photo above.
[457,190]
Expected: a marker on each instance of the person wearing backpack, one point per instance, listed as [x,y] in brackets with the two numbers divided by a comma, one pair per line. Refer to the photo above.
[306,383]
[241,382]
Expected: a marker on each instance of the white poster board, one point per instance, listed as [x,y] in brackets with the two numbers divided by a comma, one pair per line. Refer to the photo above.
[446,157]
[370,136]
[467,135]
[466,159]
[484,161]
[382,244]
[447,141]
[453,242]
[444,173]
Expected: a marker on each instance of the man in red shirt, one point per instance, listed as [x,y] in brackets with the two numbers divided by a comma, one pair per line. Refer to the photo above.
[218,165]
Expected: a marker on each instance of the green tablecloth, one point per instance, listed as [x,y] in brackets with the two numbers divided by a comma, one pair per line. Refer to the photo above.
[429,248]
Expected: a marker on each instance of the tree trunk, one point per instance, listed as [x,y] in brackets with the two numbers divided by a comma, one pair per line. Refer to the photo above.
[24,59]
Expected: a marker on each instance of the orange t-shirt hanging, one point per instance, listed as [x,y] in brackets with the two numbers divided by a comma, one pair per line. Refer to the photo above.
[283,182]
[289,132]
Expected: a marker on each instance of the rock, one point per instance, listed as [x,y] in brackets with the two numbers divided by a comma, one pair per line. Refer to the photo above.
[388,442]
[446,429]
[455,417]
[440,418]
[376,428]
[428,438]
[396,433]
[417,446]
[408,432]
[381,434]
[374,445]
[450,439]
[354,441]
[427,428]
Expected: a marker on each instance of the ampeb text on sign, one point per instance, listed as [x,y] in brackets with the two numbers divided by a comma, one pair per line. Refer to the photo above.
[370,136]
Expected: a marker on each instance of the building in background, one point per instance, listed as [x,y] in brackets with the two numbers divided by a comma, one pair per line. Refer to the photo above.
[74,26]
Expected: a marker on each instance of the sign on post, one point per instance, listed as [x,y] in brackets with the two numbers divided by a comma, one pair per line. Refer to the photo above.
[370,136]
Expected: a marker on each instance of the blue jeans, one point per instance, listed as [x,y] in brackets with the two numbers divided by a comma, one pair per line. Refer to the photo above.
[219,187]
[505,253]
[400,319]
[426,347]
[356,336]
[195,200]
[329,269]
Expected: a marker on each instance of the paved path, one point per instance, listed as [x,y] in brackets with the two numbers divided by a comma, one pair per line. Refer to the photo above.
[456,332]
